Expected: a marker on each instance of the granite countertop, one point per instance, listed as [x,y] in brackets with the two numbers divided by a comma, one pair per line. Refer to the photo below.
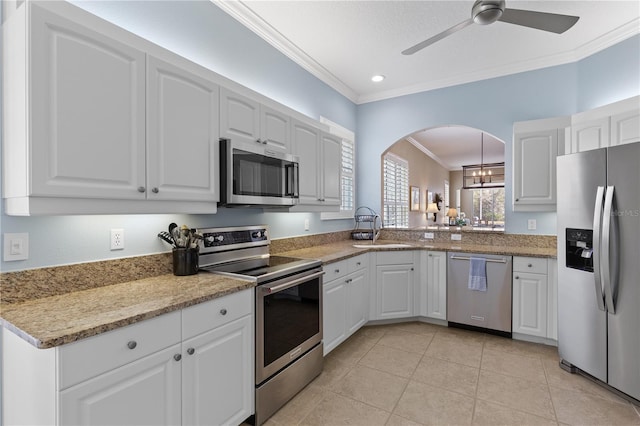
[345,249]
[47,321]
[56,320]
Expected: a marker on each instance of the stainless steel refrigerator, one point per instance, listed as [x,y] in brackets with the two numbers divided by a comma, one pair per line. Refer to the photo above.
[599,264]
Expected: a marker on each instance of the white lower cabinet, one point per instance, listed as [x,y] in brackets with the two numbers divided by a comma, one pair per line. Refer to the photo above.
[395,276]
[534,298]
[433,297]
[345,300]
[146,391]
[193,366]
[217,375]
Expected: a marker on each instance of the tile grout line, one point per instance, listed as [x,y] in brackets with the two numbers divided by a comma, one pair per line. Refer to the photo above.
[546,378]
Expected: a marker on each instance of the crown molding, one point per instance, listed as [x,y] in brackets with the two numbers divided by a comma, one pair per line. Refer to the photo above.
[426,151]
[243,14]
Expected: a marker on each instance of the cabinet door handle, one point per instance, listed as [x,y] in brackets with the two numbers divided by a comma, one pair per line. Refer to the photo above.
[412,269]
[430,255]
[141,189]
[155,190]
[191,351]
[529,265]
[517,199]
[223,311]
[132,344]
[517,277]
[258,141]
[358,263]
[177,357]
[337,271]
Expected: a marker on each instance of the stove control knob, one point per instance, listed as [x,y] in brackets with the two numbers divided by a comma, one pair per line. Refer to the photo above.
[212,239]
[256,234]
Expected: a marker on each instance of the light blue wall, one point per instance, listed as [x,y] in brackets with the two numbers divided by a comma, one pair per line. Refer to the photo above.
[204,34]
[493,106]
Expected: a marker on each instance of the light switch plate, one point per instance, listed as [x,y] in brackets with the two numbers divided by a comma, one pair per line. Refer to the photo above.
[16,247]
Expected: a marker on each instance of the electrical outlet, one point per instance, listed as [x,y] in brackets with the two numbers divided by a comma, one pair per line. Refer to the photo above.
[306,224]
[428,235]
[117,239]
[531,224]
[456,237]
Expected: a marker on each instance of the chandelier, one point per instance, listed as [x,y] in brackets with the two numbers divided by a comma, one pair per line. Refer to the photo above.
[483,175]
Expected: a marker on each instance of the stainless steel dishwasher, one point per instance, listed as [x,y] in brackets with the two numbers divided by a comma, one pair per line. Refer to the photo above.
[490,309]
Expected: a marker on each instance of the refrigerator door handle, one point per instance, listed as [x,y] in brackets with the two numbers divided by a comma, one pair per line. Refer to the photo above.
[597,221]
[606,250]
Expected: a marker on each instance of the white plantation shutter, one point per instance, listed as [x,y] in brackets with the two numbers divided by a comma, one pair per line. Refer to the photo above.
[346,178]
[396,192]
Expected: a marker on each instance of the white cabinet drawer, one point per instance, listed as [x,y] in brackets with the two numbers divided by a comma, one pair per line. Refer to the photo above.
[95,355]
[336,270]
[214,313]
[400,257]
[358,262]
[534,265]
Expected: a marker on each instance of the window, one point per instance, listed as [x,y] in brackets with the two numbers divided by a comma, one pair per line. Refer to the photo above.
[488,207]
[396,192]
[347,173]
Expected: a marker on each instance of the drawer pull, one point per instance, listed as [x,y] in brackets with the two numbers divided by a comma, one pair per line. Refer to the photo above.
[358,263]
[517,277]
[191,351]
[337,271]
[530,265]
[132,344]
[223,311]
[177,357]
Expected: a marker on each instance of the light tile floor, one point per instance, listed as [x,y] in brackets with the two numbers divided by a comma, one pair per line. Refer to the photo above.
[423,374]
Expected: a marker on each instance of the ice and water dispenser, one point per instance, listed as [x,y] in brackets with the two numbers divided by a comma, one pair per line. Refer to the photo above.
[579,248]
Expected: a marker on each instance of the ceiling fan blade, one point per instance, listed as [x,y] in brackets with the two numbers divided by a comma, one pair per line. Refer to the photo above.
[551,22]
[429,41]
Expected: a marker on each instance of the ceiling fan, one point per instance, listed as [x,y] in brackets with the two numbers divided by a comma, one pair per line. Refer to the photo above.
[486,12]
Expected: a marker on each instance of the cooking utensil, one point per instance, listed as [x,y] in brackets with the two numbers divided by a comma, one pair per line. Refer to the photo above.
[166,237]
[175,233]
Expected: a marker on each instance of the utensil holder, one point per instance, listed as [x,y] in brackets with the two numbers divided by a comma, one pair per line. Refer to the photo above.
[185,261]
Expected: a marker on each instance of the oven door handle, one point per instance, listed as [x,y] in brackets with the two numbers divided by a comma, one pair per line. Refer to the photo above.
[274,288]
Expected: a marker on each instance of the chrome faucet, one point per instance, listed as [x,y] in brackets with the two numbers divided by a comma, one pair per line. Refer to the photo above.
[376,233]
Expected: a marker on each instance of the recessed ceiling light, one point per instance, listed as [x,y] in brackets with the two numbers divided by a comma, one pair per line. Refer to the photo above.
[377,78]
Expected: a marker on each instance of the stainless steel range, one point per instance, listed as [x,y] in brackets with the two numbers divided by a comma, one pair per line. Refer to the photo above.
[288,310]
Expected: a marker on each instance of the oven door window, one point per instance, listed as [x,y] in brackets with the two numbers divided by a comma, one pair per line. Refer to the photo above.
[260,175]
[291,317]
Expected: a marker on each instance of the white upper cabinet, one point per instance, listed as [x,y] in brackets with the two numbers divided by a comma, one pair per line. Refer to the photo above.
[535,148]
[592,134]
[87,104]
[306,140]
[331,147]
[613,124]
[244,119]
[91,127]
[320,155]
[182,133]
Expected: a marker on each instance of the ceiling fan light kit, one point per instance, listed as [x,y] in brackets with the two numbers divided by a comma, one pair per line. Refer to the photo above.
[485,12]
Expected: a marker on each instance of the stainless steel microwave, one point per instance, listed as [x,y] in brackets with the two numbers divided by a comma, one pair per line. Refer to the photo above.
[256,175]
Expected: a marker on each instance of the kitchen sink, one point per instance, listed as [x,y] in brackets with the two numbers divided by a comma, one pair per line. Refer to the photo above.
[381,245]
